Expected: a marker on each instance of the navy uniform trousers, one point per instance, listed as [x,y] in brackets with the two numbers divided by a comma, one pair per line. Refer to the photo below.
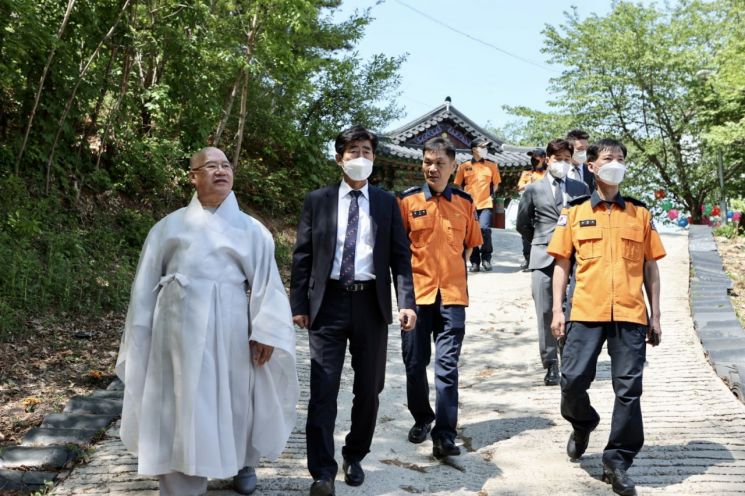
[483,252]
[354,317]
[445,324]
[627,350]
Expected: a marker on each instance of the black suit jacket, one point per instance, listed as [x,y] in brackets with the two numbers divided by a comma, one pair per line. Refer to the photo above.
[316,245]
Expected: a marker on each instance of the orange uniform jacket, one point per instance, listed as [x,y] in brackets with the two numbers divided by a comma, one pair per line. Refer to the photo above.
[529,177]
[440,228]
[480,180]
[611,247]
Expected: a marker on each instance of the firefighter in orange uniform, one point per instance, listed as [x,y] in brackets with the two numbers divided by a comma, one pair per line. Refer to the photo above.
[480,178]
[441,224]
[617,248]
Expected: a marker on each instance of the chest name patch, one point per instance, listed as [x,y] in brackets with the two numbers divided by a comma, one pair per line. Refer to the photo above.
[418,213]
[587,223]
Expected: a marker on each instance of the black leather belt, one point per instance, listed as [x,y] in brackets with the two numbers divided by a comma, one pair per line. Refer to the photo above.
[351,288]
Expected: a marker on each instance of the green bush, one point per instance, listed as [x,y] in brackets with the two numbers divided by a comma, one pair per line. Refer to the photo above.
[58,260]
[730,230]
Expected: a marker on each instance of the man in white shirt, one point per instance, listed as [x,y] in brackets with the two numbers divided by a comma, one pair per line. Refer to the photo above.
[350,239]
[537,215]
[579,171]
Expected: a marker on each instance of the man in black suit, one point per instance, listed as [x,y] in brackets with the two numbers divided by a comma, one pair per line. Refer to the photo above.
[349,240]
[579,171]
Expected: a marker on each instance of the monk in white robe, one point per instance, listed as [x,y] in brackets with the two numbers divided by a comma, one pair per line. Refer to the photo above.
[210,383]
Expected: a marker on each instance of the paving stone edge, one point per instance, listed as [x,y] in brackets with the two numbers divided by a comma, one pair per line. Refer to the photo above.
[46,455]
[718,328]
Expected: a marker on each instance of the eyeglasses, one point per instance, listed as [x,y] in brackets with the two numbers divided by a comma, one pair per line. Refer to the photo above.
[215,166]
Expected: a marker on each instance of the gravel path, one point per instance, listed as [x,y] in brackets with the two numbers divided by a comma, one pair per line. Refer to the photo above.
[511,432]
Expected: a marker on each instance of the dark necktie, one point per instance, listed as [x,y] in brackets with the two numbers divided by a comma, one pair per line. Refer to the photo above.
[346,273]
[558,195]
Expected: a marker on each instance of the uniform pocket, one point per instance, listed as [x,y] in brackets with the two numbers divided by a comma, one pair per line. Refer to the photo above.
[590,242]
[456,230]
[631,241]
[421,230]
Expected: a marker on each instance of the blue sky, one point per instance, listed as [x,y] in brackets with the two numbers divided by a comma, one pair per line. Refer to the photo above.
[480,79]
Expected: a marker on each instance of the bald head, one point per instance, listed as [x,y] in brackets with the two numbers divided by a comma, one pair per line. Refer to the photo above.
[199,158]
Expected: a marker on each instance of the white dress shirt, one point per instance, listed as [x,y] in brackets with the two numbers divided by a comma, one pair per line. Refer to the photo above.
[363,254]
[575,172]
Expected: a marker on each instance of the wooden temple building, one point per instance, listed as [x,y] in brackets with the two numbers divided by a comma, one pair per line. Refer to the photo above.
[398,162]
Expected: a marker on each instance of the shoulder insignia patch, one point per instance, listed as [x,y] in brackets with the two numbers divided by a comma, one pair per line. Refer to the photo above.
[462,194]
[651,224]
[634,201]
[562,220]
[418,213]
[587,223]
[578,200]
[410,191]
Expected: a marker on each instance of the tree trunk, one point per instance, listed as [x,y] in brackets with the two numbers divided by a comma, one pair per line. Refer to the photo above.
[115,110]
[75,90]
[228,109]
[250,43]
[89,128]
[61,30]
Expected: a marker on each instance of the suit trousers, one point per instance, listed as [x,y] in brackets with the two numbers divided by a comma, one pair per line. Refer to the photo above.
[627,350]
[354,317]
[446,325]
[543,299]
[479,254]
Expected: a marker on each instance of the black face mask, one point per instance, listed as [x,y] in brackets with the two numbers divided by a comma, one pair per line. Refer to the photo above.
[535,162]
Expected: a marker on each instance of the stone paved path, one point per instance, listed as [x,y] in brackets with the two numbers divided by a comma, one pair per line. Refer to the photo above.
[511,432]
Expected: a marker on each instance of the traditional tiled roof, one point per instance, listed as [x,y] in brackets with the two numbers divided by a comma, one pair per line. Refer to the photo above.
[510,156]
[393,143]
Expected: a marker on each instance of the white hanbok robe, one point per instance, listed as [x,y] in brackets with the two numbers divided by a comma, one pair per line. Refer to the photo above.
[194,402]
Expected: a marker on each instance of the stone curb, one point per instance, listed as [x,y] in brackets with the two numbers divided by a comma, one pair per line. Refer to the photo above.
[47,450]
[714,318]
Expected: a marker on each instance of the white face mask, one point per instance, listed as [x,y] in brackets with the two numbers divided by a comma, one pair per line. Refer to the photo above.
[612,173]
[482,152]
[558,169]
[580,156]
[358,169]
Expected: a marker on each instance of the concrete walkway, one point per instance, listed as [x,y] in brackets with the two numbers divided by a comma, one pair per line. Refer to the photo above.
[511,432]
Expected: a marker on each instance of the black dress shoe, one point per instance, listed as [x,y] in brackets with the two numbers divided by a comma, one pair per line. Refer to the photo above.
[474,268]
[353,473]
[577,444]
[552,375]
[444,447]
[322,487]
[418,433]
[524,266]
[619,479]
[486,265]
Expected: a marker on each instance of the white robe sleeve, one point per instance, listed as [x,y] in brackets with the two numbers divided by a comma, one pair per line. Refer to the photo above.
[276,391]
[131,364]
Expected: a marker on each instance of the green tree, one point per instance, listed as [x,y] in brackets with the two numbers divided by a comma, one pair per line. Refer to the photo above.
[632,74]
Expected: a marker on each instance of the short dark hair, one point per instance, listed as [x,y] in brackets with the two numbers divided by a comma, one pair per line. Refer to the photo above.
[593,151]
[577,134]
[440,144]
[355,133]
[557,145]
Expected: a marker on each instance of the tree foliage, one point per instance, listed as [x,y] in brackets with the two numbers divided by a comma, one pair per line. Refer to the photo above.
[103,101]
[632,74]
